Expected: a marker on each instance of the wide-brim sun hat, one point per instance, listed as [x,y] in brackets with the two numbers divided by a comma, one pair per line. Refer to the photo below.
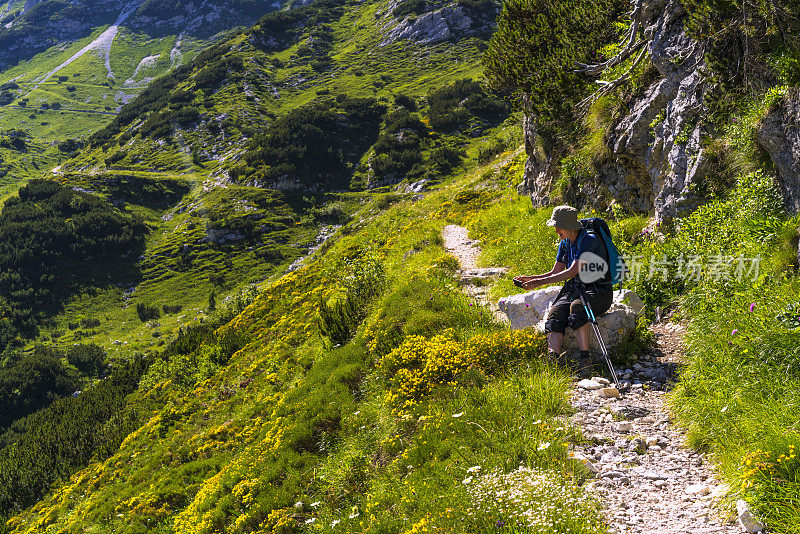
[565,217]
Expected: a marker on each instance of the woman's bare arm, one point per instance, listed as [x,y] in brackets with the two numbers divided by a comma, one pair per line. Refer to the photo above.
[557,268]
[553,276]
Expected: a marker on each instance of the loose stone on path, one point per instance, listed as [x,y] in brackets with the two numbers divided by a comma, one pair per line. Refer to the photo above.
[646,478]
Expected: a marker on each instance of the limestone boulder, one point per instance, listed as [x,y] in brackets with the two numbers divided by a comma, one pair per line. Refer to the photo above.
[525,310]
[528,309]
[626,296]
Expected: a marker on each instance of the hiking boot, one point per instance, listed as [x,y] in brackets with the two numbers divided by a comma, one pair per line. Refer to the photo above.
[587,365]
[590,369]
[571,362]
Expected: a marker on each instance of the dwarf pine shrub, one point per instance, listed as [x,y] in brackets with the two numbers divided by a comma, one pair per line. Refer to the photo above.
[362,279]
[147,312]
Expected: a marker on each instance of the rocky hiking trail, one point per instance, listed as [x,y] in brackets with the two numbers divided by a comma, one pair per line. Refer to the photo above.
[645,476]
[474,281]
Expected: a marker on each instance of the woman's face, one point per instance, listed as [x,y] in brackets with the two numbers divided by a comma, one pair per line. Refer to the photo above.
[562,234]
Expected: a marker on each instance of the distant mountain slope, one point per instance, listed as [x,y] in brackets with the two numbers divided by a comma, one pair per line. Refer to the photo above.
[244,158]
[215,106]
[32,27]
[277,131]
[67,67]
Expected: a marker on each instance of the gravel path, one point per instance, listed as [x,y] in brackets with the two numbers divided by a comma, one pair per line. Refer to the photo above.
[647,479]
[474,281]
[458,243]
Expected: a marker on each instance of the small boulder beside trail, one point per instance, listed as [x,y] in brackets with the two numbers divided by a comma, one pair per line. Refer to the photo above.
[530,309]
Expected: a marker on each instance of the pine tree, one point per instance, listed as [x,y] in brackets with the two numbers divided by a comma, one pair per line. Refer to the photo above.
[535,49]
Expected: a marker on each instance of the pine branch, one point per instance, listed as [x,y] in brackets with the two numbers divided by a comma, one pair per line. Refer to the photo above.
[609,86]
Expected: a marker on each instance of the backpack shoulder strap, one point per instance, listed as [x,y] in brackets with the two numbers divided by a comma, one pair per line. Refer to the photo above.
[580,238]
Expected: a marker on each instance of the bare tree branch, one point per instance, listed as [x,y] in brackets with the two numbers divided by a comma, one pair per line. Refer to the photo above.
[609,86]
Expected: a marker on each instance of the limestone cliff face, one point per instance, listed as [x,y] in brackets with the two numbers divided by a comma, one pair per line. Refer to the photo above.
[779,135]
[655,155]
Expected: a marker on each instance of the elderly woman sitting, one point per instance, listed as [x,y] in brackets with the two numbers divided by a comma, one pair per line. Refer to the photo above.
[576,263]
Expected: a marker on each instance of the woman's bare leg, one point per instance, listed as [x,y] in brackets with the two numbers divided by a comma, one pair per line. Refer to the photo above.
[554,342]
[582,334]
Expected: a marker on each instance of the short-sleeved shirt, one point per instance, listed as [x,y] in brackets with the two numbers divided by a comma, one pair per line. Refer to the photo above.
[569,251]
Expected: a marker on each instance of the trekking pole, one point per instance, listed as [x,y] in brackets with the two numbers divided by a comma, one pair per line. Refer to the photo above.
[596,328]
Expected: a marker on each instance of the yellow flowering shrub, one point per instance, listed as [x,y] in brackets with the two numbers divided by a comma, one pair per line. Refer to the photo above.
[419,364]
[285,310]
[280,522]
[497,348]
[420,526]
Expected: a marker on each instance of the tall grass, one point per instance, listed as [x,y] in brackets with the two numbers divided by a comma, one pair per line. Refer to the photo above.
[453,461]
[513,234]
[739,394]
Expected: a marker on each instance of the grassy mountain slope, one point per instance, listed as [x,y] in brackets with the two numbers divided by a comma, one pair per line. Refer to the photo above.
[364,392]
[225,232]
[77,69]
[294,434]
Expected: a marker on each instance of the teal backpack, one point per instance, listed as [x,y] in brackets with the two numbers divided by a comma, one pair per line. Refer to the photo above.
[616,264]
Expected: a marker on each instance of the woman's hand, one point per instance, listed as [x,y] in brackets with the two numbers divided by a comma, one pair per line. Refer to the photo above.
[530,284]
[519,281]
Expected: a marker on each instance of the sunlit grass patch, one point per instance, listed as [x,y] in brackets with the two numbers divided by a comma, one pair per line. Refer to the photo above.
[436,469]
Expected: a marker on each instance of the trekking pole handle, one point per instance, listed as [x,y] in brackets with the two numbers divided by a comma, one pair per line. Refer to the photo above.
[586,306]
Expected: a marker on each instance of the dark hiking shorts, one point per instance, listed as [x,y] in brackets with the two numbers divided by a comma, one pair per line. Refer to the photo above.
[569,312]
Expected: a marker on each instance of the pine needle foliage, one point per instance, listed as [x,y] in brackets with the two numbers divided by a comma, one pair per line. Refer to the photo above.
[534,51]
[750,44]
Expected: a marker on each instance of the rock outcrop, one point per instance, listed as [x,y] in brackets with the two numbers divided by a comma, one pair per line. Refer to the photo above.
[669,154]
[779,135]
[451,21]
[525,310]
[541,170]
[432,27]
[655,154]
